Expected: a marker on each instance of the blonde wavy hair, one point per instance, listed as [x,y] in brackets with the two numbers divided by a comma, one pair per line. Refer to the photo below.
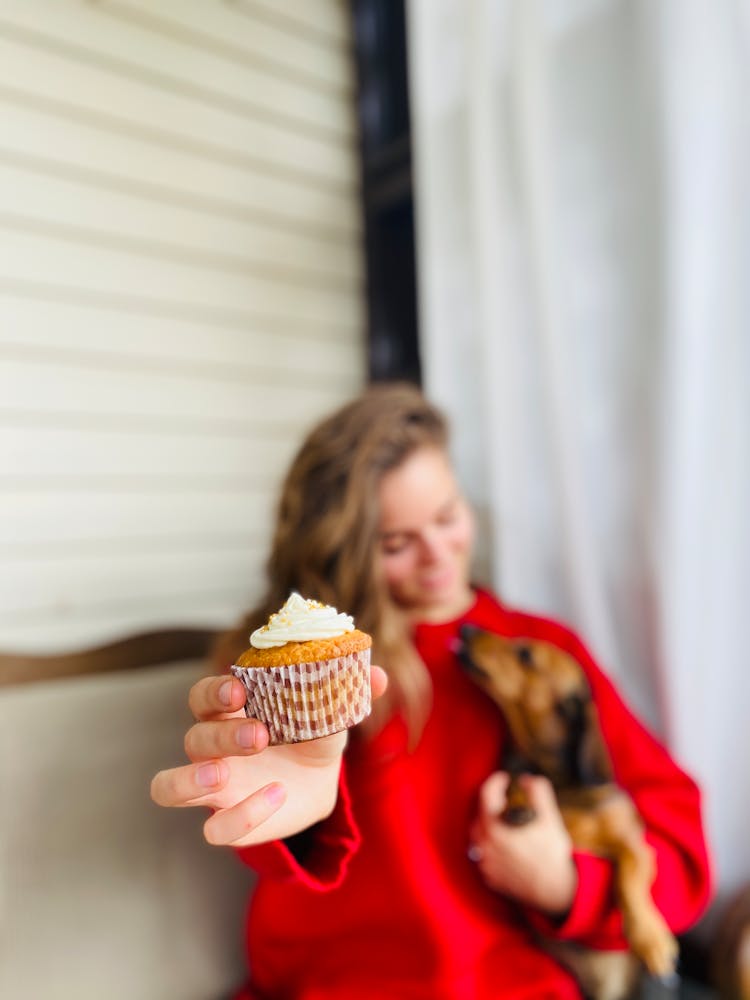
[326,540]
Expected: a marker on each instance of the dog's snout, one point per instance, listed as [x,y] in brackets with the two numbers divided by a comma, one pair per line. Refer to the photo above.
[462,647]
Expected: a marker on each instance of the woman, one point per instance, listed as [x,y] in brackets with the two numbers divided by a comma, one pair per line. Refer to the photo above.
[366,885]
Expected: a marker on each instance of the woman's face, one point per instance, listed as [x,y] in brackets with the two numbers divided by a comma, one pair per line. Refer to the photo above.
[426,535]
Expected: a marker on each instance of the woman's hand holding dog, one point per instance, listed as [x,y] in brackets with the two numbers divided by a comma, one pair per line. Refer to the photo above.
[258,793]
[532,863]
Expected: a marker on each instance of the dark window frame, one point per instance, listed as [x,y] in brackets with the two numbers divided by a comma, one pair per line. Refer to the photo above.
[380,52]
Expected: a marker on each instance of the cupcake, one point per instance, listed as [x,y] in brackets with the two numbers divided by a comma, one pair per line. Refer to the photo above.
[306,673]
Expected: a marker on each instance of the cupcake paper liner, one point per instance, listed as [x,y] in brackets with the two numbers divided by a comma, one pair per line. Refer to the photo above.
[304,701]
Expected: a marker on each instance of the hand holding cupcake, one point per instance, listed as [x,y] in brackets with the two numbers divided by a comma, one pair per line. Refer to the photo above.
[256,758]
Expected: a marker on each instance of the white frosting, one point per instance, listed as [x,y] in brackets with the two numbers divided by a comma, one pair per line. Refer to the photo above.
[299,621]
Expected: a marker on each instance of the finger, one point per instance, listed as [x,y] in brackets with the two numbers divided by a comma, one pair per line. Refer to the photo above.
[378,681]
[540,794]
[226,738]
[228,826]
[492,796]
[216,697]
[189,785]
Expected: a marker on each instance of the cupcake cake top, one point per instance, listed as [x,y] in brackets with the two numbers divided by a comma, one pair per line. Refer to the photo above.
[303,632]
[300,620]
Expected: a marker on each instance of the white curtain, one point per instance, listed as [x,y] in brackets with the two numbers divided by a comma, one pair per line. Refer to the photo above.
[583,218]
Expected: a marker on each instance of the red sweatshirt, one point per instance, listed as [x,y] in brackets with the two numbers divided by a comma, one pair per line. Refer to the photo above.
[385,902]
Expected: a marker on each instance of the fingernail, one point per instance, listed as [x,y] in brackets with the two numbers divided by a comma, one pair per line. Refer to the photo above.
[225,693]
[275,794]
[246,735]
[207,775]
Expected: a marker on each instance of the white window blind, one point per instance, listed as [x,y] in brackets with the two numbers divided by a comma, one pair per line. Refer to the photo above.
[180,298]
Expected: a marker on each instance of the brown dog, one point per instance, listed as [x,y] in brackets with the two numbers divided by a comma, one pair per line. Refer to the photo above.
[553,730]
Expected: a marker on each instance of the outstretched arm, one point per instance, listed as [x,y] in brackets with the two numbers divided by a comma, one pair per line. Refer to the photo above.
[257,793]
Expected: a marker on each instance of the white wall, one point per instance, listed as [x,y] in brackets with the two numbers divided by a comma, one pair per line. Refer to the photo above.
[180,296]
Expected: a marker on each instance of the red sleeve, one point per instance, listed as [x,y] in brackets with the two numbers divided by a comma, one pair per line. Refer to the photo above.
[317,858]
[669,803]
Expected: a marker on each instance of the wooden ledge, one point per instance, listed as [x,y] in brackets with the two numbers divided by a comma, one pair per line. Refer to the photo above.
[145,649]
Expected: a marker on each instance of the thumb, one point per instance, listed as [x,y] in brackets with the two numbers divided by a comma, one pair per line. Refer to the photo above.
[492,795]
[378,680]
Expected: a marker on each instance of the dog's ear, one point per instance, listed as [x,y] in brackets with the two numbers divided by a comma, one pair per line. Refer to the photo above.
[587,759]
